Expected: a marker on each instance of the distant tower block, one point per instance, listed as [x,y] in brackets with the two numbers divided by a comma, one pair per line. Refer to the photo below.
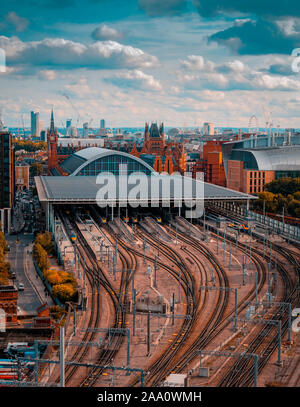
[208,129]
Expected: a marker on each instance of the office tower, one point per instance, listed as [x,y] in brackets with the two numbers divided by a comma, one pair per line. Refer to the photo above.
[35,124]
[43,135]
[208,129]
[73,131]
[68,127]
[7,179]
[102,124]
[85,130]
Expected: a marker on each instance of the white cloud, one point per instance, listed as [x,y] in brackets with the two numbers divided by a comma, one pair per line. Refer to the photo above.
[135,79]
[276,82]
[105,32]
[48,74]
[197,63]
[66,53]
[80,88]
[13,20]
[197,73]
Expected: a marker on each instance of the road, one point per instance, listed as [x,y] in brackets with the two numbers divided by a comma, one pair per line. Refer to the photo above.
[28,300]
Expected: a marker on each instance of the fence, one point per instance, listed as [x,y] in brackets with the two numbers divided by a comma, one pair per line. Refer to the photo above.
[290,231]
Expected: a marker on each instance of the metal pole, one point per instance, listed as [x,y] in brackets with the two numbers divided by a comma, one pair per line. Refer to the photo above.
[173,307]
[74,320]
[148,333]
[279,342]
[142,379]
[133,271]
[256,290]
[133,312]
[224,243]
[290,322]
[62,355]
[235,308]
[144,245]
[269,285]
[243,270]
[179,280]
[230,255]
[155,267]
[255,370]
[218,241]
[36,363]
[128,347]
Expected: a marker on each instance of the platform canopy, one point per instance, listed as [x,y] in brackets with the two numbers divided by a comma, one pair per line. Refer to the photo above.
[85,189]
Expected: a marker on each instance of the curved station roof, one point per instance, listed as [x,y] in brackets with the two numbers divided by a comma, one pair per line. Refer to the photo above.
[93,160]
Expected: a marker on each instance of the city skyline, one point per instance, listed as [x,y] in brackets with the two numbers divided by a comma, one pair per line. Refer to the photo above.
[180,62]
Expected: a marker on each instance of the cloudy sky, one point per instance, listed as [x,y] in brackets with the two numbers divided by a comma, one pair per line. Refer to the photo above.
[131,61]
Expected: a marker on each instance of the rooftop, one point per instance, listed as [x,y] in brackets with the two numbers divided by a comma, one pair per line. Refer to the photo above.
[84,189]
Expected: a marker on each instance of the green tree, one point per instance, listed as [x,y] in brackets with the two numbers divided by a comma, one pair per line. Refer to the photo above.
[293,207]
[45,240]
[41,257]
[64,292]
[36,169]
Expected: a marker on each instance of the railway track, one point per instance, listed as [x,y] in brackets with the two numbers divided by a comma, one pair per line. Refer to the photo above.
[96,278]
[163,365]
[240,374]
[208,334]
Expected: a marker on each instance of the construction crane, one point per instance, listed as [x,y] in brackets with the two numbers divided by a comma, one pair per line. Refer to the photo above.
[1,121]
[22,119]
[71,103]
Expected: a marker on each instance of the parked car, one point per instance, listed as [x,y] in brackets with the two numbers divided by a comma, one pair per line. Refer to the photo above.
[21,287]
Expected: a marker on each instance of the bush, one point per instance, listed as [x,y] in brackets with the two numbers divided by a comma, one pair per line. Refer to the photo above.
[41,257]
[64,285]
[65,292]
[53,277]
[3,279]
[56,312]
[4,265]
[45,240]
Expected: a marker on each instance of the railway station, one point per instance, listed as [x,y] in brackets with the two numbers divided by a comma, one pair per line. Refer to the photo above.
[177,282]
[89,168]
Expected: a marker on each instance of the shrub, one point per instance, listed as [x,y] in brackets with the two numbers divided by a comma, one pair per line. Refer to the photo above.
[64,292]
[45,240]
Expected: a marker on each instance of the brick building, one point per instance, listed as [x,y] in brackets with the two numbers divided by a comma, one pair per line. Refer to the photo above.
[8,302]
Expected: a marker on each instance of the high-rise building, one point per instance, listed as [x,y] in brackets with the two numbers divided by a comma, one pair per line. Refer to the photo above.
[102,124]
[7,179]
[68,127]
[43,135]
[208,129]
[85,130]
[35,124]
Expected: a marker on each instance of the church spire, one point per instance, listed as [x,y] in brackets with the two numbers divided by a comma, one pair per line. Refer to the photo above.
[52,129]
